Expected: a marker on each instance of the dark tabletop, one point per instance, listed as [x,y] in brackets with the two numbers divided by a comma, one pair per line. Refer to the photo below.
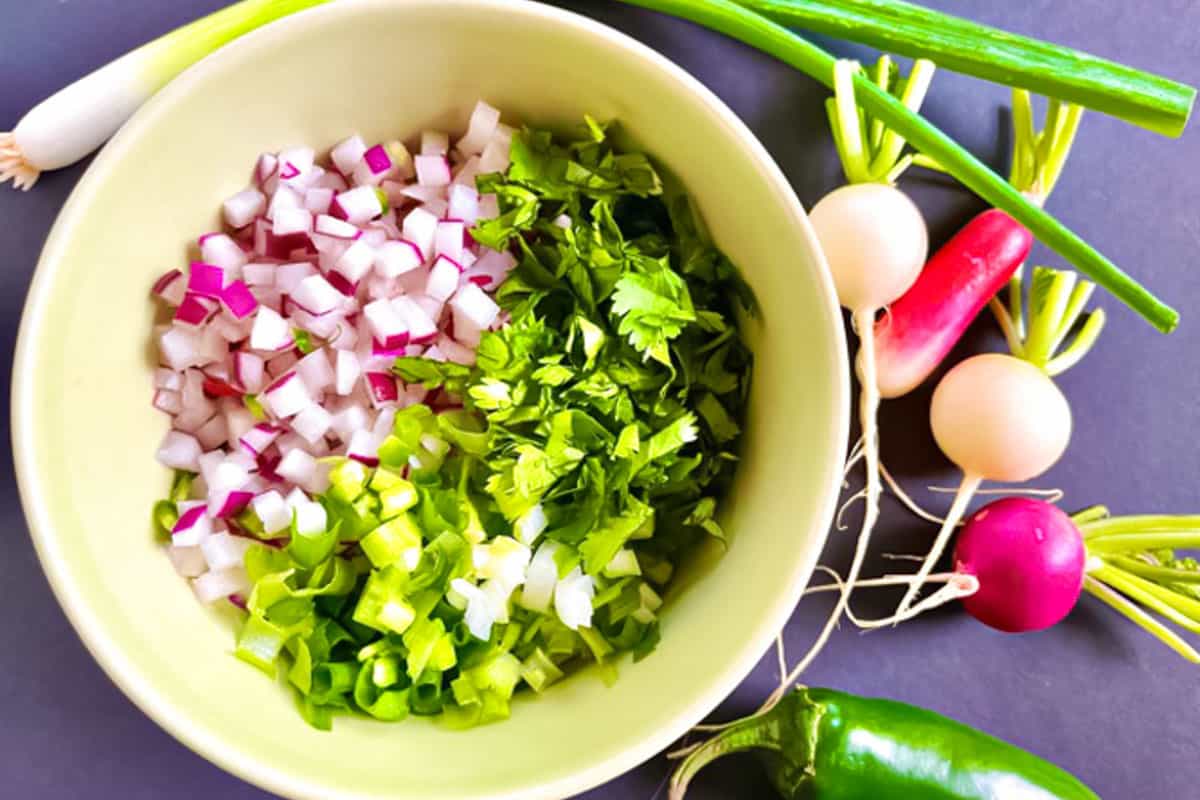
[1095,694]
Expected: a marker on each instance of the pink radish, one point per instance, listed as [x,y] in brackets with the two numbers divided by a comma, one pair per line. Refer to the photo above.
[922,327]
[1029,558]
[997,418]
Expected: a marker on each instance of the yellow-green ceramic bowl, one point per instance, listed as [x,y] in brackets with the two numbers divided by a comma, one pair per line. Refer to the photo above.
[85,433]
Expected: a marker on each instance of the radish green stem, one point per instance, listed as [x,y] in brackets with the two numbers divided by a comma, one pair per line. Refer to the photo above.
[1089,515]
[1141,523]
[1151,571]
[960,45]
[1146,540]
[1140,618]
[759,32]
[1183,611]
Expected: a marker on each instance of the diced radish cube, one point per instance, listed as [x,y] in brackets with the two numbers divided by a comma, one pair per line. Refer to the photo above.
[481,128]
[287,396]
[222,551]
[295,163]
[382,387]
[348,371]
[217,585]
[316,371]
[310,518]
[387,325]
[312,423]
[463,204]
[443,279]
[270,332]
[285,197]
[363,447]
[167,379]
[356,262]
[238,299]
[420,228]
[337,228]
[213,433]
[272,511]
[259,274]
[350,419]
[222,251]
[317,201]
[474,304]
[241,209]
[188,561]
[178,450]
[358,205]
[171,287]
[292,220]
[289,276]
[248,371]
[168,401]
[346,155]
[394,258]
[432,170]
[456,352]
[316,295]
[180,348]
[495,155]
[448,240]
[422,328]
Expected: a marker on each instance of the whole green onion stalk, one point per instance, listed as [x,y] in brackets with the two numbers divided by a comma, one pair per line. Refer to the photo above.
[73,122]
[725,16]
[1134,568]
[960,45]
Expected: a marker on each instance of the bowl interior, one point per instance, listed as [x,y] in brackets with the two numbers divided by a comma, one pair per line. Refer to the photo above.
[85,433]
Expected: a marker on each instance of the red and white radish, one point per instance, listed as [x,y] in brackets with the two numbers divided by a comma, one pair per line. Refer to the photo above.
[997,418]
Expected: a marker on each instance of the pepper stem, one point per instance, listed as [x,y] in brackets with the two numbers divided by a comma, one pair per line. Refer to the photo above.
[755,732]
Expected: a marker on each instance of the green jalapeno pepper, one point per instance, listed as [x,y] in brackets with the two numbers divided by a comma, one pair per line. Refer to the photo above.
[820,744]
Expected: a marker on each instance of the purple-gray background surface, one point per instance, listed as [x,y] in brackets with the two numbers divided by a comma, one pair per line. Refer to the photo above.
[1094,694]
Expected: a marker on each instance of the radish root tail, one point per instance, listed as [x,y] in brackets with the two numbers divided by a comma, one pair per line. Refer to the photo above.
[13,166]
[868,408]
[966,490]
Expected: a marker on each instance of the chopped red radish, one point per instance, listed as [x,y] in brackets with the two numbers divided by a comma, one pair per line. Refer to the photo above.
[448,240]
[346,154]
[259,274]
[242,208]
[287,396]
[432,170]
[394,258]
[463,203]
[420,228]
[292,220]
[222,251]
[316,371]
[356,262]
[171,287]
[238,299]
[382,387]
[443,278]
[316,295]
[358,205]
[481,128]
[318,200]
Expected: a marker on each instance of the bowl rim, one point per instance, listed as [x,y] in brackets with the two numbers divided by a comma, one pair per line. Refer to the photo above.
[118,666]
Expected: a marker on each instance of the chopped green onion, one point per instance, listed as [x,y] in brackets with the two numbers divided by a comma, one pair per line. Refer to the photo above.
[539,671]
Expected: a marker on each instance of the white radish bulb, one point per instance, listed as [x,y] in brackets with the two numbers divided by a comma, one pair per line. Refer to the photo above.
[875,242]
[1000,418]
